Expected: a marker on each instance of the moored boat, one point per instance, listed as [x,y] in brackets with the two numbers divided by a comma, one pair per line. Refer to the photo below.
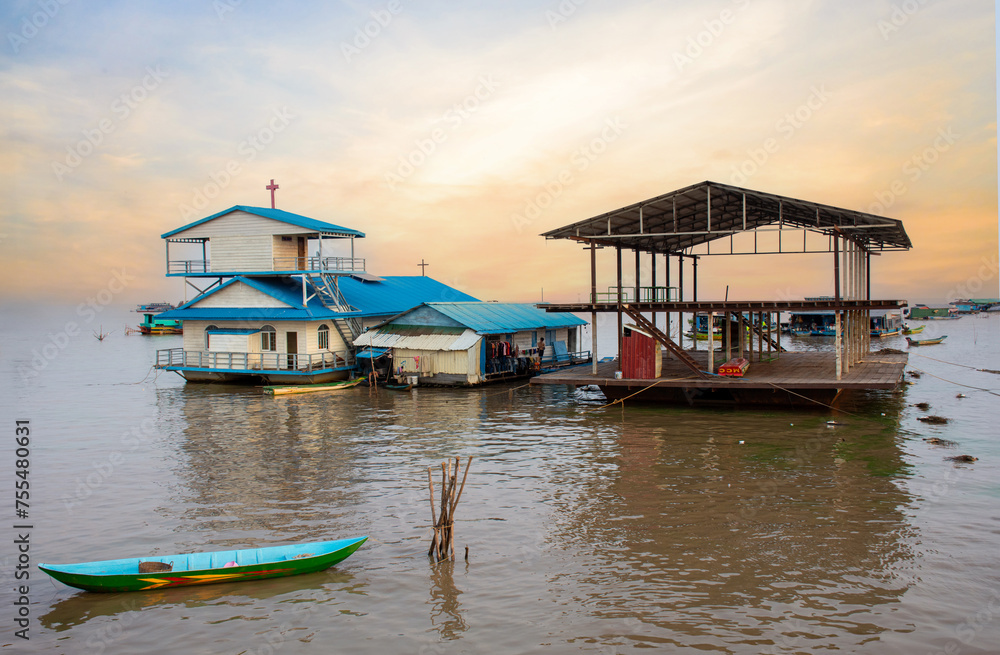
[152,325]
[280,390]
[203,568]
[917,330]
[925,342]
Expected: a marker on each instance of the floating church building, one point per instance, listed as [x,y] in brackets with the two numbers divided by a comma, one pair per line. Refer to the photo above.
[274,302]
[711,219]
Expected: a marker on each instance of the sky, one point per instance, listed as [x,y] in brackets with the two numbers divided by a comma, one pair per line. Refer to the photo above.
[456,133]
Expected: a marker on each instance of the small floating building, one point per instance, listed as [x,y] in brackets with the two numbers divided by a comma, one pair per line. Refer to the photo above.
[472,343]
[686,227]
[274,303]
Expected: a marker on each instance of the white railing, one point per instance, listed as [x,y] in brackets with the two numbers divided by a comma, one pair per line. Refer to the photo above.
[175,266]
[320,264]
[263,362]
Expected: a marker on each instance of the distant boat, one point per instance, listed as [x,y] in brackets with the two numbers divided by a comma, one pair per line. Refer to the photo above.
[282,390]
[925,342]
[917,330]
[399,387]
[152,325]
[162,571]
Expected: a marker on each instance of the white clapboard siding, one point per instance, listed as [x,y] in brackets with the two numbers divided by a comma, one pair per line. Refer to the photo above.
[230,343]
[240,223]
[239,294]
[241,253]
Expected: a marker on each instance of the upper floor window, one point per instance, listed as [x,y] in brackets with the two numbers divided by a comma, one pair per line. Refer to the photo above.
[208,336]
[324,337]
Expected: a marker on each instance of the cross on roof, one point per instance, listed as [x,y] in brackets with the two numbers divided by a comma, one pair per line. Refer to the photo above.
[423,267]
[271,187]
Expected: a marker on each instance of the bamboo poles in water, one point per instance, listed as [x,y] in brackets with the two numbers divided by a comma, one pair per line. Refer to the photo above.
[442,546]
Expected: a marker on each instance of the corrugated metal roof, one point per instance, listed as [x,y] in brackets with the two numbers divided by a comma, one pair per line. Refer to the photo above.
[277,215]
[436,340]
[391,296]
[499,318]
[395,294]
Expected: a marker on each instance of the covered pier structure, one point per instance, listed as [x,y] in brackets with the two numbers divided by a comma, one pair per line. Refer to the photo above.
[714,219]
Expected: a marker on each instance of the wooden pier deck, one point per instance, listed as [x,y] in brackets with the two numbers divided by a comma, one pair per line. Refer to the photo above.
[796,378]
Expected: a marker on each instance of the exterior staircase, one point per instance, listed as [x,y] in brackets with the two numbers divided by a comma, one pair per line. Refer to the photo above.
[667,342]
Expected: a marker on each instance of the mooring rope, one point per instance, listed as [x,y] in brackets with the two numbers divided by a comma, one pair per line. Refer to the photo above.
[981,370]
[967,386]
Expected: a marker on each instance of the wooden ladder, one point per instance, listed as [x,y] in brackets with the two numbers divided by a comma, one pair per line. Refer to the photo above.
[667,342]
[755,331]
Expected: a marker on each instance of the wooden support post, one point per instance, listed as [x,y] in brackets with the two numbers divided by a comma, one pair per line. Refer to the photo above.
[652,262]
[836,297]
[666,272]
[618,253]
[593,313]
[680,289]
[742,335]
[711,340]
[728,335]
[636,299]
[760,337]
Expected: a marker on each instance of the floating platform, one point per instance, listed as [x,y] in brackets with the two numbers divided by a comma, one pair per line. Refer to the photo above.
[793,378]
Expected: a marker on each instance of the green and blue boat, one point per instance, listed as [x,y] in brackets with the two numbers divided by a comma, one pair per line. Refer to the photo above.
[143,573]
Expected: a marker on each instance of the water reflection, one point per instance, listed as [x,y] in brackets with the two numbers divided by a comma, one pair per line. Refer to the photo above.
[84,606]
[718,530]
[446,611]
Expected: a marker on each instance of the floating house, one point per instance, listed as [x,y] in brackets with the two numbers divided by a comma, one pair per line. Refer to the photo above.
[471,343]
[886,323]
[812,324]
[153,324]
[923,312]
[274,302]
[681,229]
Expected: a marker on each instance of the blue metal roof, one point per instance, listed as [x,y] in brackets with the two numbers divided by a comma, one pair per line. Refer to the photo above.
[396,294]
[499,318]
[277,215]
[392,295]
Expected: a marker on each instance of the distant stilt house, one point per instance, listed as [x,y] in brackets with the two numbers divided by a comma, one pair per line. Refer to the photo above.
[274,303]
[471,343]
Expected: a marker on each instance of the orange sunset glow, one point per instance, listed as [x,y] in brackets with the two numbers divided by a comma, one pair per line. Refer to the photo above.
[457,134]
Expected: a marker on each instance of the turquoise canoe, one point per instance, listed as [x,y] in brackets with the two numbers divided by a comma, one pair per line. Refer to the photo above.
[204,568]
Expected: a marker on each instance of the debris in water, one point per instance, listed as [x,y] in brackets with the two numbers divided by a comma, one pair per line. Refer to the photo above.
[963,458]
[922,406]
[938,441]
[933,420]
[961,395]
[915,374]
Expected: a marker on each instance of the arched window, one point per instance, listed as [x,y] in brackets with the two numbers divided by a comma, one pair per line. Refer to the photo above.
[324,337]
[268,339]
[208,336]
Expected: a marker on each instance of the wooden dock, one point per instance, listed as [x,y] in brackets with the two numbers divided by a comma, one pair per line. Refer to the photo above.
[793,378]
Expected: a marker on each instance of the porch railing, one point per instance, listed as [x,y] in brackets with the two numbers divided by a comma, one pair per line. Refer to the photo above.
[319,264]
[176,266]
[263,362]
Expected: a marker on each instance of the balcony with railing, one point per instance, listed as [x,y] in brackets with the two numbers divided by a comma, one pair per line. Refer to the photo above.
[253,363]
[278,265]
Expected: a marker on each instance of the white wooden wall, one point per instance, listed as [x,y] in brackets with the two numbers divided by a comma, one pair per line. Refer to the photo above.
[239,294]
[241,253]
[238,224]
